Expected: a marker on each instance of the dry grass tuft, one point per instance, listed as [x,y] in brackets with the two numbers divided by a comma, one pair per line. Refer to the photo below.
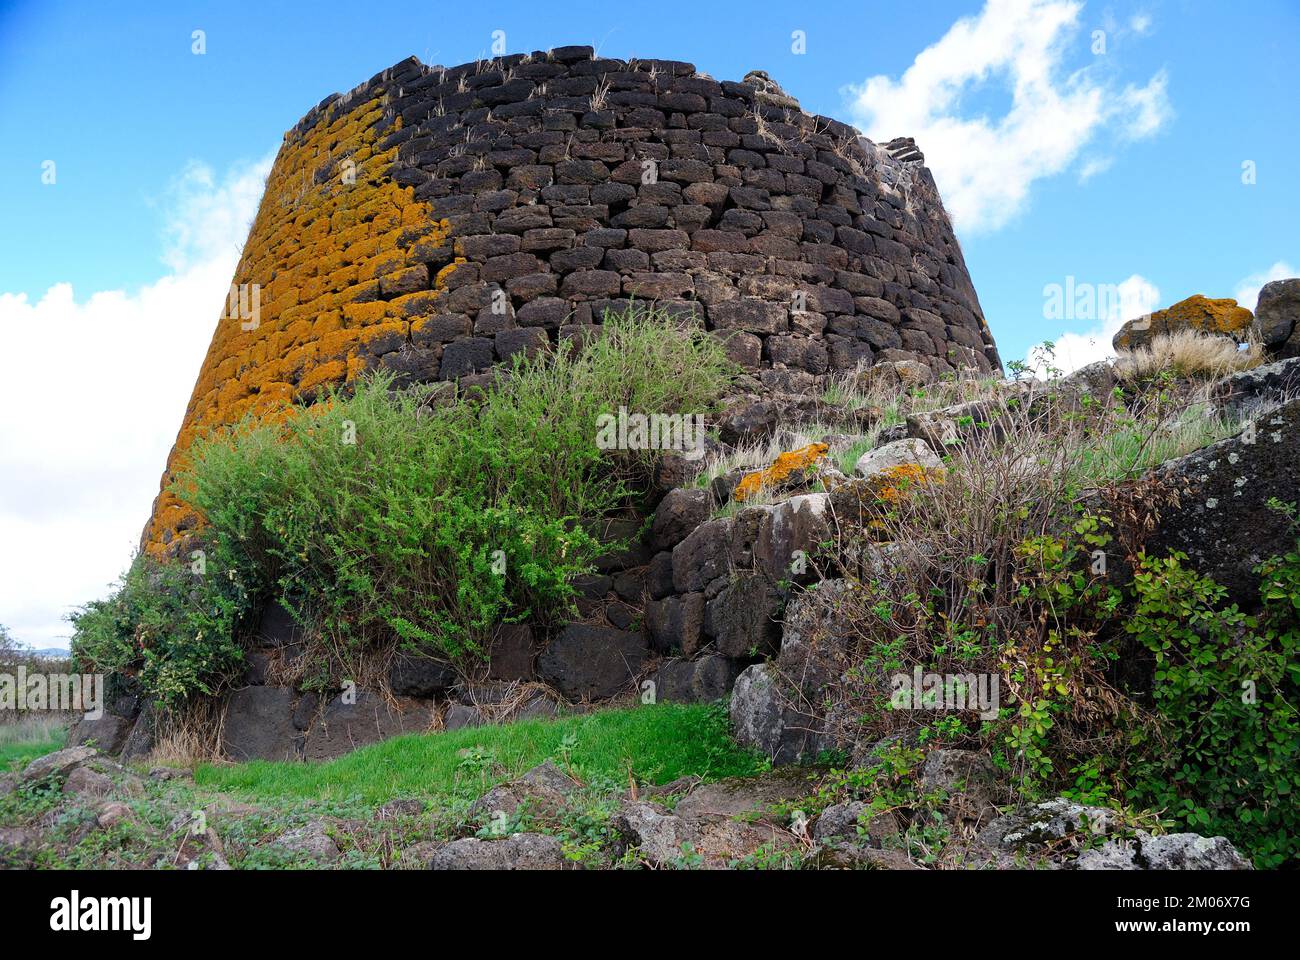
[1187,353]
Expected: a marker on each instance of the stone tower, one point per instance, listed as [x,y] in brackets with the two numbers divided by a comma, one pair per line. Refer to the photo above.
[433,222]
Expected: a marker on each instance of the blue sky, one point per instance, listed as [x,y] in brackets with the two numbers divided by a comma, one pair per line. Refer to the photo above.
[1120,166]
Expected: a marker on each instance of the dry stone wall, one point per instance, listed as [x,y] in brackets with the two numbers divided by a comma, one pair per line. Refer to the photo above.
[434,222]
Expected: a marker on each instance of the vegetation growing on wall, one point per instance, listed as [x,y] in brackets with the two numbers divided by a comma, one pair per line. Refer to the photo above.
[413,517]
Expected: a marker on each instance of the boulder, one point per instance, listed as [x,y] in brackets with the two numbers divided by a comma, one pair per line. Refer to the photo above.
[817,634]
[587,662]
[83,781]
[1096,380]
[1277,314]
[764,718]
[414,675]
[139,742]
[1226,491]
[968,781]
[311,841]
[343,727]
[1191,851]
[657,834]
[511,655]
[676,623]
[541,791]
[790,535]
[742,618]
[896,454]
[695,681]
[845,822]
[107,732]
[702,559]
[522,851]
[259,725]
[59,764]
[1247,391]
[1198,313]
[680,512]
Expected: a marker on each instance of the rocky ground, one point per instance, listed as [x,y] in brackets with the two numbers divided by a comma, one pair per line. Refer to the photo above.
[77,808]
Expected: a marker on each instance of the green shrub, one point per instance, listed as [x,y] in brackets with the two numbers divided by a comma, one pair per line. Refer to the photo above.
[1223,756]
[380,515]
[172,627]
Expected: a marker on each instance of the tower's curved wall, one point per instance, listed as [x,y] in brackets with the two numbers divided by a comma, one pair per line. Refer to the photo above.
[436,221]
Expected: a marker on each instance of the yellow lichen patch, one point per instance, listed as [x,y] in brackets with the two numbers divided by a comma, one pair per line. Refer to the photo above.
[781,470]
[330,221]
[1199,313]
[893,483]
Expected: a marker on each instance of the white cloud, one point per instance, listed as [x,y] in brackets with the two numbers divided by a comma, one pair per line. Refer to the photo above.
[1247,294]
[1140,24]
[1135,297]
[985,165]
[92,410]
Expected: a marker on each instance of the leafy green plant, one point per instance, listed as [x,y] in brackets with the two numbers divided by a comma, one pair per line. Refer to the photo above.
[1223,755]
[382,516]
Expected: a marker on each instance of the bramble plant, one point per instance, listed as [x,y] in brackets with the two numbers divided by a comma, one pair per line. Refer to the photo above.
[382,516]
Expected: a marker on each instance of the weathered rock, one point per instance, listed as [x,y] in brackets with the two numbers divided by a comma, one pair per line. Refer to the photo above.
[511,656]
[1228,488]
[845,822]
[541,791]
[522,851]
[749,422]
[343,727]
[460,715]
[413,675]
[1197,313]
[968,779]
[676,623]
[658,835]
[1191,851]
[418,855]
[1247,391]
[259,725]
[790,535]
[680,512]
[759,797]
[106,732]
[83,781]
[112,812]
[694,680]
[139,742]
[59,764]
[703,558]
[311,841]
[742,618]
[765,717]
[1096,380]
[815,636]
[586,662]
[898,453]
[1276,316]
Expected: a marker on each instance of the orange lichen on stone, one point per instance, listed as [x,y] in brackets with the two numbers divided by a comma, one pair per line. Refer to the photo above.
[316,248]
[1201,314]
[780,471]
[893,483]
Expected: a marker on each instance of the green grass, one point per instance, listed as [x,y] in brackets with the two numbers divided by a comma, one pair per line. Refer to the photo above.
[655,744]
[18,744]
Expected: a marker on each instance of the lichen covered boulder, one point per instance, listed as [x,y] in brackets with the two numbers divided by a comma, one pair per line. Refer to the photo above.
[1199,313]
